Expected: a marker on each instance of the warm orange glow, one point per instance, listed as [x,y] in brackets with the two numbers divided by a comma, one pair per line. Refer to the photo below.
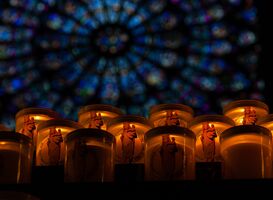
[235,110]
[158,114]
[65,127]
[220,123]
[107,113]
[169,154]
[246,151]
[141,126]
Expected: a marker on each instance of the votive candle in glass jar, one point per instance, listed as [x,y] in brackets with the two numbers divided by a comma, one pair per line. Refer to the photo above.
[246,151]
[207,129]
[50,146]
[16,153]
[170,114]
[97,115]
[129,132]
[89,156]
[28,119]
[245,112]
[170,154]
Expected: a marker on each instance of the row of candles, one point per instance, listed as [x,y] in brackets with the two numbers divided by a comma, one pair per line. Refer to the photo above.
[168,143]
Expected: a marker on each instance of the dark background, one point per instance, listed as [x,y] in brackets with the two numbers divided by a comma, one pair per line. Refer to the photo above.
[265,15]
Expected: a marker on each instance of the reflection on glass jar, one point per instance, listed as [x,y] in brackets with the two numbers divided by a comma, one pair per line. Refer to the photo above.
[97,115]
[246,152]
[129,132]
[50,147]
[16,153]
[28,119]
[89,156]
[267,122]
[245,112]
[170,154]
[170,114]
[207,129]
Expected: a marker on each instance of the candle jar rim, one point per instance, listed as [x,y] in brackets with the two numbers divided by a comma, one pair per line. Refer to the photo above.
[34,110]
[14,136]
[169,130]
[170,106]
[129,118]
[90,133]
[265,119]
[246,129]
[59,122]
[100,107]
[211,117]
[243,103]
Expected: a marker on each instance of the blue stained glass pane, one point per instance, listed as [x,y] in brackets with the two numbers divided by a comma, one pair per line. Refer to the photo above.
[205,16]
[131,84]
[219,30]
[30,5]
[249,15]
[8,34]
[56,41]
[56,60]
[9,68]
[214,66]
[9,51]
[246,38]
[141,15]
[218,47]
[87,85]
[70,74]
[18,18]
[239,82]
[113,8]
[110,91]
[128,9]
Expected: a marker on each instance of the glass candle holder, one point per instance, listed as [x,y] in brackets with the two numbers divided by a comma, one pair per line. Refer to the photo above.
[246,152]
[89,156]
[245,112]
[28,119]
[16,153]
[170,114]
[50,146]
[207,129]
[97,115]
[129,132]
[170,154]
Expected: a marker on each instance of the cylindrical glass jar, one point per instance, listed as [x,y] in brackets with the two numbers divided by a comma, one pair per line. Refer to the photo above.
[207,129]
[129,132]
[97,115]
[89,156]
[236,110]
[246,152]
[170,114]
[26,126]
[16,153]
[50,148]
[170,154]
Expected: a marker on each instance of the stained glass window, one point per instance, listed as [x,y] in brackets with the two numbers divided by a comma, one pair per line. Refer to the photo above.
[133,54]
